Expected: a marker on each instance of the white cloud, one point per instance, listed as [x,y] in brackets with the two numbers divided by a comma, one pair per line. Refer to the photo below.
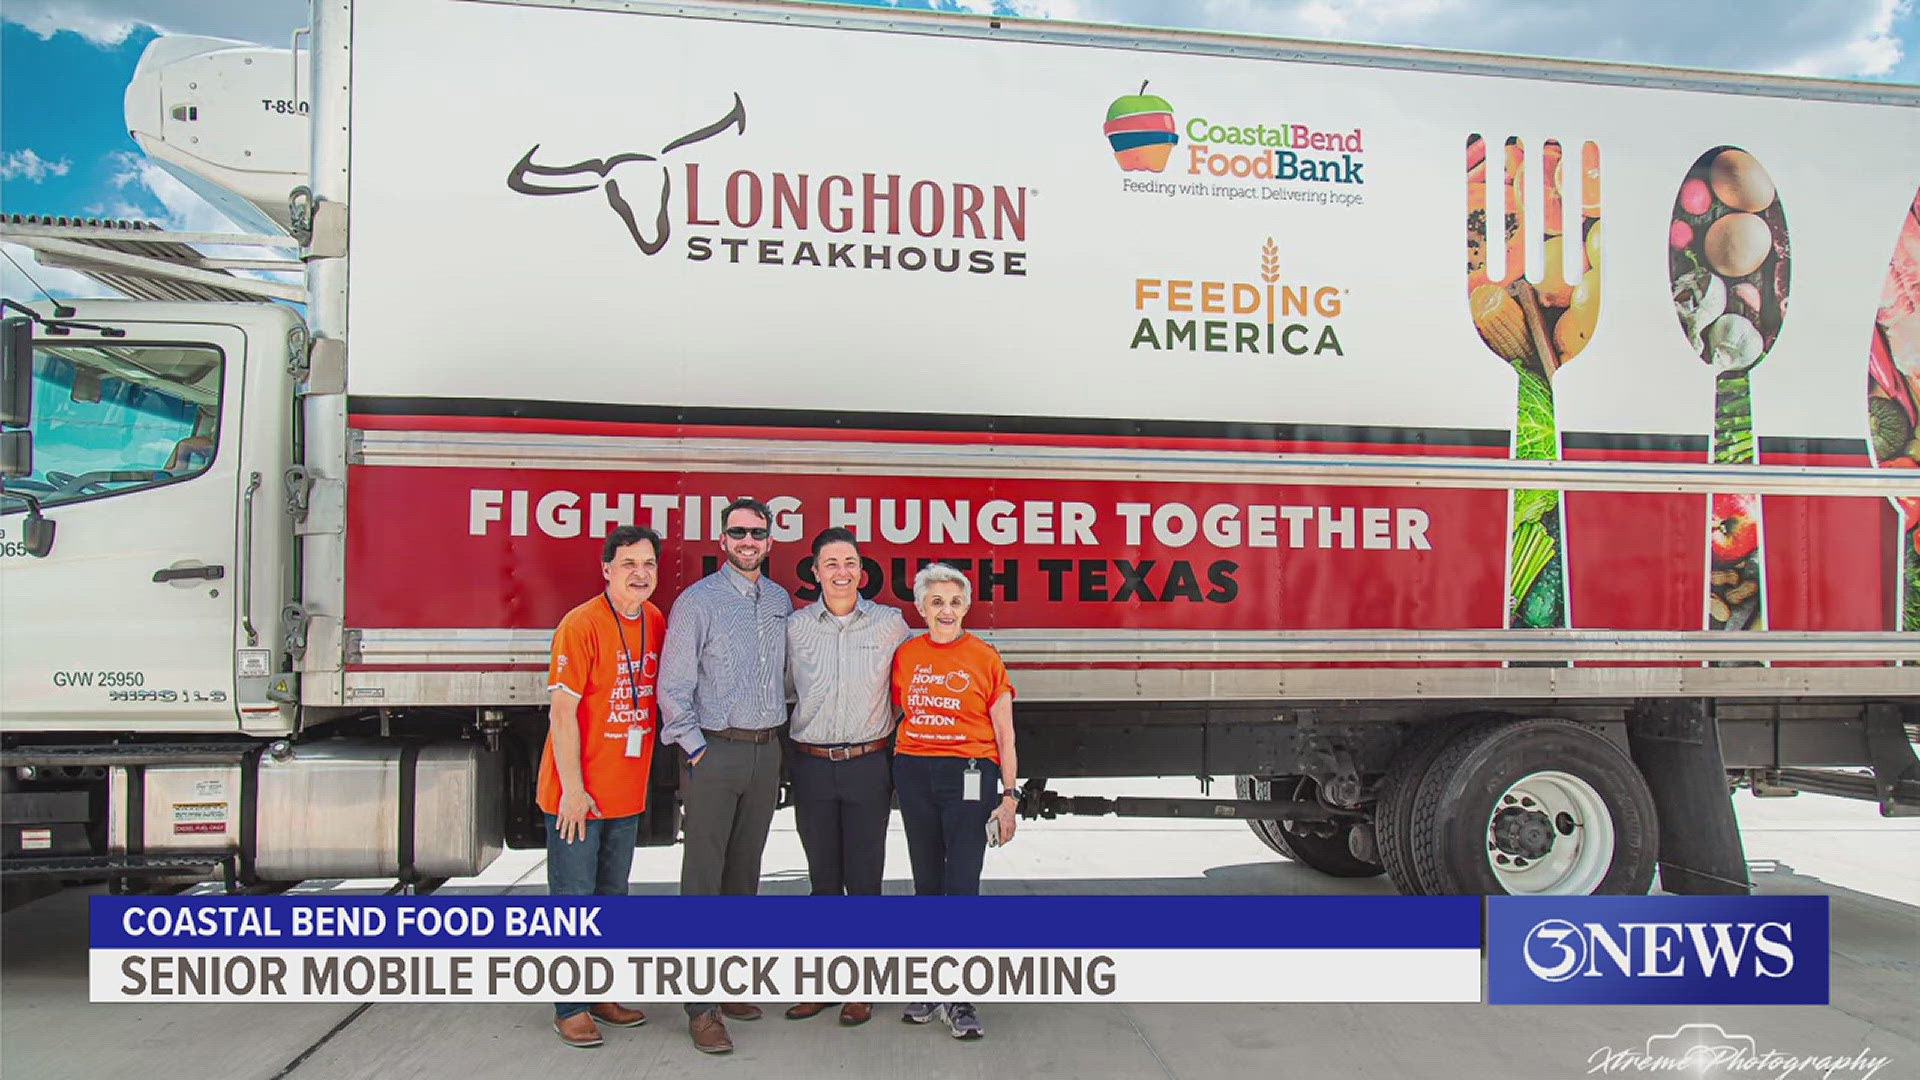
[1835,38]
[1846,38]
[60,282]
[1875,50]
[182,209]
[29,166]
[108,22]
[140,183]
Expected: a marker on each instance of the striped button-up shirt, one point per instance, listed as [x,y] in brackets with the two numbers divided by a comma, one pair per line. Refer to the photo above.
[725,659]
[842,671]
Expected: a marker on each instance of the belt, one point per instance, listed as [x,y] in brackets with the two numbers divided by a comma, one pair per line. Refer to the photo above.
[842,753]
[734,734]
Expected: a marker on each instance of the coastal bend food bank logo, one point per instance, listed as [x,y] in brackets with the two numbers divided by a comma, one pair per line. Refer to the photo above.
[1143,132]
[876,221]
[1140,130]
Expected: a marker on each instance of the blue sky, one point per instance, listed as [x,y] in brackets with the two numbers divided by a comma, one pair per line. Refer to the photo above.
[65,63]
[73,131]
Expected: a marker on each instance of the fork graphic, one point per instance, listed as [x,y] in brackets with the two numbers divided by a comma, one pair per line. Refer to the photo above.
[1536,329]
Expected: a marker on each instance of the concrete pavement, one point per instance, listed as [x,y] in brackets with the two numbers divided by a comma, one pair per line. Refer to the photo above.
[1805,845]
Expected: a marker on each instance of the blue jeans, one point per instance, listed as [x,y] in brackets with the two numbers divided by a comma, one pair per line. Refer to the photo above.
[946,833]
[596,866]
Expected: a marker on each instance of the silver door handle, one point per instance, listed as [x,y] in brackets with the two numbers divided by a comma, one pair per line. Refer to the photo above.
[185,573]
[246,562]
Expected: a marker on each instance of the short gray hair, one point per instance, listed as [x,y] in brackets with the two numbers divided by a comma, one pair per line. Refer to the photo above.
[933,574]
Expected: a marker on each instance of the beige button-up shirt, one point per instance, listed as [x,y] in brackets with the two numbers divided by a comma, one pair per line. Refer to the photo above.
[843,672]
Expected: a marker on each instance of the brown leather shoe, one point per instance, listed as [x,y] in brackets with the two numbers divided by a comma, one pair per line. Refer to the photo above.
[740,1010]
[578,1030]
[608,1012]
[806,1010]
[855,1012]
[709,1033]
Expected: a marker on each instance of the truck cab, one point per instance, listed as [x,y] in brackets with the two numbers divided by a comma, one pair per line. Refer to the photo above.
[160,436]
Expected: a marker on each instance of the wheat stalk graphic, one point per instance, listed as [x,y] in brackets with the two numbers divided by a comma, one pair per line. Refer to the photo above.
[1269,261]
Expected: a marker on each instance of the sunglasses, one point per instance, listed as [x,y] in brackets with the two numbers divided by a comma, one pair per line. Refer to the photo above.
[741,532]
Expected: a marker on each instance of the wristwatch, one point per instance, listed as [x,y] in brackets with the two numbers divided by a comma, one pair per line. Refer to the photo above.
[1013,793]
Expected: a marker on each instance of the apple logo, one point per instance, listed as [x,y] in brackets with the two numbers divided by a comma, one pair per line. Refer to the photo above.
[1140,130]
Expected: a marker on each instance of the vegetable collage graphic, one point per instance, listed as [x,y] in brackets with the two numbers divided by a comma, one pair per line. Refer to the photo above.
[1536,329]
[1729,263]
[1893,399]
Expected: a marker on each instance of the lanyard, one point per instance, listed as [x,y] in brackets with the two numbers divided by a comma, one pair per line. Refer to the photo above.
[619,627]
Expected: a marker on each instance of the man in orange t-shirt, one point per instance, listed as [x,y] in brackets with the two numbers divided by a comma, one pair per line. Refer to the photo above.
[600,736]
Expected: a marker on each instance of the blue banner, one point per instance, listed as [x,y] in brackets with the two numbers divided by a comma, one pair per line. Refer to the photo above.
[1657,950]
[789,922]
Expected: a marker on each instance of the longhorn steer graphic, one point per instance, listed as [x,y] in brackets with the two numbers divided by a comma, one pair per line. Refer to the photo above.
[521,179]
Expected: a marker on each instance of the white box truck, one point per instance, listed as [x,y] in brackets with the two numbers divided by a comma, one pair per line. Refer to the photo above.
[1264,388]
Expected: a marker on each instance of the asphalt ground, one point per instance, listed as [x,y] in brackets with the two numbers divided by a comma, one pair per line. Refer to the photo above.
[1868,865]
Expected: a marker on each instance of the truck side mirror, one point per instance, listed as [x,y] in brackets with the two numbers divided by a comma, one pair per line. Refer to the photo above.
[16,372]
[36,532]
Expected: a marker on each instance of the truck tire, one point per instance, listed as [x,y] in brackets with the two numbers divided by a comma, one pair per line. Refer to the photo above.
[1535,806]
[1331,855]
[1393,809]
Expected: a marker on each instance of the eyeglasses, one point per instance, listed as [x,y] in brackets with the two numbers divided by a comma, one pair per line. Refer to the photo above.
[741,532]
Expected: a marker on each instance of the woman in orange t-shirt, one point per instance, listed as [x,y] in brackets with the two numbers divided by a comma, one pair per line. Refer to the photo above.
[954,766]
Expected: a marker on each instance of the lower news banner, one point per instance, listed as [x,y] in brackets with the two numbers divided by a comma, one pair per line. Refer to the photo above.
[1005,948]
[1657,950]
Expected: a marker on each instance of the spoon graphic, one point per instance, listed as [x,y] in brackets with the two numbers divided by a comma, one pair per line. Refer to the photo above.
[1728,262]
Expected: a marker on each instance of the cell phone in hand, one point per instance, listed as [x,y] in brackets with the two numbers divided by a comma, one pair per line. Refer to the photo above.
[993,831]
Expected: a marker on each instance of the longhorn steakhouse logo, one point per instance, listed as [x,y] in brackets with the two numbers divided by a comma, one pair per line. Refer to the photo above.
[798,219]
[601,168]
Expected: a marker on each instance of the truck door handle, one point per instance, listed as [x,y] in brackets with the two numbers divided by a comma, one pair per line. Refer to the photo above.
[182,573]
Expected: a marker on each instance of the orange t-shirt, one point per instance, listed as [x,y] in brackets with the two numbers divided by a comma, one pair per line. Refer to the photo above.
[945,691]
[588,661]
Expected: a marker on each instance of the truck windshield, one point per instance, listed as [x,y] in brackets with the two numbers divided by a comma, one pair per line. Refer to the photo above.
[114,418]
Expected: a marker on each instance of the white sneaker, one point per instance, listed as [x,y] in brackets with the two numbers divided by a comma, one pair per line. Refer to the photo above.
[962,1021]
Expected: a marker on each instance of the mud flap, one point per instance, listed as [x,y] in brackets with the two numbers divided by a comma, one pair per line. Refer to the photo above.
[1676,744]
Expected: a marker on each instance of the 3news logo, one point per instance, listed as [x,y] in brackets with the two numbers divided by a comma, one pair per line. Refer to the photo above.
[1657,950]
[1556,950]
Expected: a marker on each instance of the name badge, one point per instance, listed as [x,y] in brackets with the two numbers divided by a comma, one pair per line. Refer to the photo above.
[970,784]
[636,740]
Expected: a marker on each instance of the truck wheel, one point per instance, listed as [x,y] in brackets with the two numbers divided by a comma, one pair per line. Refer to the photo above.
[1537,806]
[1331,854]
[1393,809]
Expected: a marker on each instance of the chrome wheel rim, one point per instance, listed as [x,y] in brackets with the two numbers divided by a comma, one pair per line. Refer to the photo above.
[1550,833]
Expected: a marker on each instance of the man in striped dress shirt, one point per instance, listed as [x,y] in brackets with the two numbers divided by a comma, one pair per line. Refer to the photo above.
[722,695]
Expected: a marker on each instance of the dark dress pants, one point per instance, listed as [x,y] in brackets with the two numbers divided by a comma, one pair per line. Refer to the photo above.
[726,804]
[841,809]
[946,832]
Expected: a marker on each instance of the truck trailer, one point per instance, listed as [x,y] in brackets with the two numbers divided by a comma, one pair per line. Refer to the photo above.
[1264,389]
